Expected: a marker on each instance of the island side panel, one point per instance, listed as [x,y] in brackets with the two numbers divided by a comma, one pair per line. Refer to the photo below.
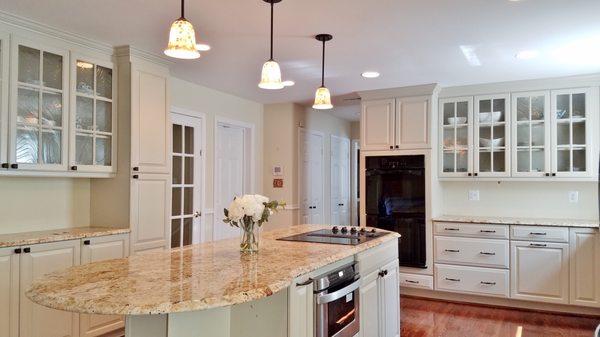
[146,326]
[206,323]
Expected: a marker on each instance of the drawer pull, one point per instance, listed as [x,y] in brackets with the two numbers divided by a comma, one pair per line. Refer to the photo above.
[487,231]
[537,233]
[451,229]
[411,281]
[488,283]
[452,250]
[538,245]
[487,253]
[452,279]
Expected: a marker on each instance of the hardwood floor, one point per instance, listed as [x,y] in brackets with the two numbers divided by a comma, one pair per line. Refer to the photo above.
[428,318]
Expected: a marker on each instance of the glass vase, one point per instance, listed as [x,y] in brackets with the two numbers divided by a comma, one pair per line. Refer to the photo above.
[250,236]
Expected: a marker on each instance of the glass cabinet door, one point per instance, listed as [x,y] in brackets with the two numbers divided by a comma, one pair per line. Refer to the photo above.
[4,100]
[38,108]
[456,134]
[530,134]
[92,116]
[491,136]
[571,133]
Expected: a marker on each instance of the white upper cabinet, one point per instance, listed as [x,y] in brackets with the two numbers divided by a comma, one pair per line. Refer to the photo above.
[93,117]
[491,136]
[4,85]
[378,125]
[38,106]
[456,136]
[412,123]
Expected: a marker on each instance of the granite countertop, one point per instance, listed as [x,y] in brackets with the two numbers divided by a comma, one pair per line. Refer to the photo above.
[197,277]
[32,238]
[519,221]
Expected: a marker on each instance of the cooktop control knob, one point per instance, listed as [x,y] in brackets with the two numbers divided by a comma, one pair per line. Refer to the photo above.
[344,229]
[353,230]
[373,230]
[335,229]
[363,230]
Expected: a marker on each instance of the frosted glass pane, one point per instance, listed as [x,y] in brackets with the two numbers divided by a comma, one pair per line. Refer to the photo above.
[462,110]
[448,161]
[29,65]
[538,107]
[462,161]
[448,112]
[85,77]
[538,132]
[53,70]
[499,135]
[563,108]
[52,109]
[485,162]
[485,136]
[448,138]
[499,161]
[523,108]
[83,149]
[28,104]
[176,174]
[51,147]
[579,160]
[500,106]
[523,160]
[578,105]
[485,105]
[462,136]
[103,151]
[104,82]
[27,146]
[103,116]
[579,133]
[84,116]
[563,134]
[564,160]
[538,161]
[523,135]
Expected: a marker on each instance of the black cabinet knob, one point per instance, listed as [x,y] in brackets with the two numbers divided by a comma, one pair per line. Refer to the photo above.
[17,250]
[554,174]
[5,165]
[470,174]
[27,250]
[391,147]
[136,169]
[14,166]
[547,174]
[86,242]
[135,176]
[476,174]
[382,273]
[397,146]
[74,168]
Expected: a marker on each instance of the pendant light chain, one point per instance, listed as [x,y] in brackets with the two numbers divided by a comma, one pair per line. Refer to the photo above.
[272,10]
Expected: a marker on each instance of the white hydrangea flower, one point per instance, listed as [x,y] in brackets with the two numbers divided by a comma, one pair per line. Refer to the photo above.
[236,212]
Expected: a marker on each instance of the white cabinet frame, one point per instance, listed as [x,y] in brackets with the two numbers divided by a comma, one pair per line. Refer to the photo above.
[4,85]
[476,136]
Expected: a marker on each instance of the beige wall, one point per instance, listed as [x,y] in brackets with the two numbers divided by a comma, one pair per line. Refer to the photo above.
[521,199]
[214,103]
[32,204]
[355,130]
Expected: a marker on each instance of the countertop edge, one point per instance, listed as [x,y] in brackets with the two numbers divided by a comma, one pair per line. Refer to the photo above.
[61,234]
[575,223]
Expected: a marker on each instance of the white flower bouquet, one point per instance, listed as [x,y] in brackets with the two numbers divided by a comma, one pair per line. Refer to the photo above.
[248,213]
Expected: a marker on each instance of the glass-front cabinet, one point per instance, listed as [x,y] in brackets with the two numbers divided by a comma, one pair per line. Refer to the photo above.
[531,134]
[38,114]
[456,116]
[4,84]
[491,136]
[92,115]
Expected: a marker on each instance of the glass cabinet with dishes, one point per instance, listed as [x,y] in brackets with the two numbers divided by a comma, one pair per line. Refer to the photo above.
[38,114]
[456,116]
[491,131]
[92,115]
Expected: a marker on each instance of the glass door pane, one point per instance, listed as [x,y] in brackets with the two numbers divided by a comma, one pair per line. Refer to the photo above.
[491,132]
[183,184]
[530,113]
[571,131]
[455,133]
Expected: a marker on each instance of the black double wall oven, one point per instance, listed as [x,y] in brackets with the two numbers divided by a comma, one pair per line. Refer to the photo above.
[395,201]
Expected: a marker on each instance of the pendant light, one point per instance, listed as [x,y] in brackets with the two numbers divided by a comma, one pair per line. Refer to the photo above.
[182,39]
[322,96]
[271,73]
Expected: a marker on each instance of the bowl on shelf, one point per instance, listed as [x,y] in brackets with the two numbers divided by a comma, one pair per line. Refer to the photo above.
[488,117]
[497,142]
[457,120]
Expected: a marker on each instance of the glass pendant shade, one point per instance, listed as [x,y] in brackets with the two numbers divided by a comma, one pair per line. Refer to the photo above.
[182,41]
[271,76]
[322,99]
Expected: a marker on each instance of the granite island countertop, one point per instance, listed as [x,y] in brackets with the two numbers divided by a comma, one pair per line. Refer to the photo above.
[518,221]
[197,277]
[55,235]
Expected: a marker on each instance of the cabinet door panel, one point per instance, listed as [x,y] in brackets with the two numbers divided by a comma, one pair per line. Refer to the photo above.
[150,206]
[540,271]
[390,300]
[492,136]
[36,320]
[370,305]
[378,125]
[9,292]
[300,306]
[456,137]
[4,85]
[412,123]
[585,267]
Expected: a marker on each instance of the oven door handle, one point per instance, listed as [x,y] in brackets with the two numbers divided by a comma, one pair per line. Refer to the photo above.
[336,295]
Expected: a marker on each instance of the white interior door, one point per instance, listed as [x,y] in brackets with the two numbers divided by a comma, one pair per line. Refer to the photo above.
[311,177]
[340,181]
[231,173]
[186,180]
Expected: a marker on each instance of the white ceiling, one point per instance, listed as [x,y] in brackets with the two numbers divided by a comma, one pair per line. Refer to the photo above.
[409,41]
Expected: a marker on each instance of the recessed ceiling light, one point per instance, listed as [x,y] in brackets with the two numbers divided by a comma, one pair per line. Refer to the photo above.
[288,83]
[527,54]
[202,47]
[370,74]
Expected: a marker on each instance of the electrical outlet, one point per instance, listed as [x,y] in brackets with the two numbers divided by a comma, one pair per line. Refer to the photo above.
[474,195]
[573,197]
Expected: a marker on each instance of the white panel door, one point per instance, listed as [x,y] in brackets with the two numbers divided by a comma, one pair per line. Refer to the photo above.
[36,261]
[340,181]
[230,173]
[311,178]
[9,292]
[94,250]
[378,125]
[540,271]
[390,300]
[585,267]
[150,204]
[370,305]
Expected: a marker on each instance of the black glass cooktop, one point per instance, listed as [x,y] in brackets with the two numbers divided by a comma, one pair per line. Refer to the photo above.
[337,236]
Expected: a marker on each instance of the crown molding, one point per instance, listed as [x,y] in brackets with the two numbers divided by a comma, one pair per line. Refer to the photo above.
[410,91]
[131,51]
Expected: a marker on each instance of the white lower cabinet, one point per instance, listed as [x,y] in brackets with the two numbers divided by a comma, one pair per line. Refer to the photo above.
[540,271]
[479,281]
[9,292]
[94,250]
[150,211]
[390,300]
[416,281]
[36,261]
[369,305]
[585,267]
[301,307]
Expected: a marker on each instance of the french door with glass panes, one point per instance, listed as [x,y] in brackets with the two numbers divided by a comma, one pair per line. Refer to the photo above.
[531,134]
[92,117]
[456,116]
[38,106]
[186,180]
[491,136]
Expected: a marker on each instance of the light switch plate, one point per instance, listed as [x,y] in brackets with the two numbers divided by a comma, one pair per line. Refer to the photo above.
[473,195]
[573,197]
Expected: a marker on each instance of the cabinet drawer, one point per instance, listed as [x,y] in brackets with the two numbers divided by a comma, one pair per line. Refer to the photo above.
[476,252]
[416,281]
[374,258]
[481,281]
[471,230]
[539,233]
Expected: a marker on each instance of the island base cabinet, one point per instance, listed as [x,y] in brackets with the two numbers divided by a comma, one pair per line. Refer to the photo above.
[585,267]
[369,305]
[300,306]
[390,299]
[38,260]
[94,250]
[9,292]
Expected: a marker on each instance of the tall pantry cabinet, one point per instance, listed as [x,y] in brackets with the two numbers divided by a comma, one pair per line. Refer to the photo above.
[139,194]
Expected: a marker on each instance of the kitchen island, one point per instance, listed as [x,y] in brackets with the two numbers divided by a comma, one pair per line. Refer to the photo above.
[210,289]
